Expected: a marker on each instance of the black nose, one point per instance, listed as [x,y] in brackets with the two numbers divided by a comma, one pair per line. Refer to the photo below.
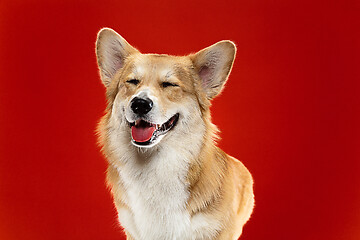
[141,106]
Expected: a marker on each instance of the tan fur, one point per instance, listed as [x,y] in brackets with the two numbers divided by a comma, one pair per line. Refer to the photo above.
[220,187]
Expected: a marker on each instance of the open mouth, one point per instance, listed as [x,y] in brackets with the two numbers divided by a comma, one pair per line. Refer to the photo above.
[144,133]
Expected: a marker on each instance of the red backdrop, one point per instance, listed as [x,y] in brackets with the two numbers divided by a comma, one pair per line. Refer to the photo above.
[290,110]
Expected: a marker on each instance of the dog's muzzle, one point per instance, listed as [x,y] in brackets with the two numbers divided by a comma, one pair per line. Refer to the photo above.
[143,132]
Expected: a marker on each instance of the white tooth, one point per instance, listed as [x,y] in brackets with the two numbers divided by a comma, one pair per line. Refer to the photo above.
[137,122]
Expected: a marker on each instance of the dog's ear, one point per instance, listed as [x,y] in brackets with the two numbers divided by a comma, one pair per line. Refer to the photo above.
[213,65]
[111,51]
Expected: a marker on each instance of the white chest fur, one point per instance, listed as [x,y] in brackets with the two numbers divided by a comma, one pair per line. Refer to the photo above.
[156,193]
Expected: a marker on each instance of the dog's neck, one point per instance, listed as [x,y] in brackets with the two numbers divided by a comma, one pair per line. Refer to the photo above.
[156,180]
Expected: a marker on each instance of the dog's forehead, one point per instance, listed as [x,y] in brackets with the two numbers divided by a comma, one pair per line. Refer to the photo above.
[159,66]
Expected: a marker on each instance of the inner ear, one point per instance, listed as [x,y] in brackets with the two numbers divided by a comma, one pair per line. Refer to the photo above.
[205,75]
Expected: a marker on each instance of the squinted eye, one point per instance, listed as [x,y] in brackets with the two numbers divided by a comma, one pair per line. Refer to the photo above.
[133,81]
[168,84]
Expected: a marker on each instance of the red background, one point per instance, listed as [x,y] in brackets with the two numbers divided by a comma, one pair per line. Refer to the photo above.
[290,110]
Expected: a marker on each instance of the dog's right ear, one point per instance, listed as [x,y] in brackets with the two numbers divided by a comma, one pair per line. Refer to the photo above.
[111,52]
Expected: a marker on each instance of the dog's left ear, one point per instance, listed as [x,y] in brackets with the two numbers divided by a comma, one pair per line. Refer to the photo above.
[213,64]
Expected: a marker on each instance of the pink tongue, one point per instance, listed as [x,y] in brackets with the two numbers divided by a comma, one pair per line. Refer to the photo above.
[142,134]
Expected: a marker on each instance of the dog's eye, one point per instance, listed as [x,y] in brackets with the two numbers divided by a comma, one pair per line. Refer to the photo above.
[168,84]
[133,81]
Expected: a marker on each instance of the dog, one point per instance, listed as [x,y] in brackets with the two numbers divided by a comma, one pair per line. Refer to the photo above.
[168,178]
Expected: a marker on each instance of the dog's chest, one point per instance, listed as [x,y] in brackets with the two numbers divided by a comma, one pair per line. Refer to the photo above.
[157,194]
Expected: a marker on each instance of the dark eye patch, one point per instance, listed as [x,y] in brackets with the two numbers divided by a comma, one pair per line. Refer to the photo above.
[168,84]
[133,81]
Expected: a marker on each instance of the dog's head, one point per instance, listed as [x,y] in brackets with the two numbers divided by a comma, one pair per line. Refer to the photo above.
[152,96]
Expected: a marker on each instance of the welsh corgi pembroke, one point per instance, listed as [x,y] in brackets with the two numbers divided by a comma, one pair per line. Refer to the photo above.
[168,178]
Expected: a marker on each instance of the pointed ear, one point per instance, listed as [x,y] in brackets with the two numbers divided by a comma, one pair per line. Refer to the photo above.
[111,51]
[213,65]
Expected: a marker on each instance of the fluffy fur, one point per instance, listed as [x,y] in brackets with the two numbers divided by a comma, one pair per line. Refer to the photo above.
[182,186]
